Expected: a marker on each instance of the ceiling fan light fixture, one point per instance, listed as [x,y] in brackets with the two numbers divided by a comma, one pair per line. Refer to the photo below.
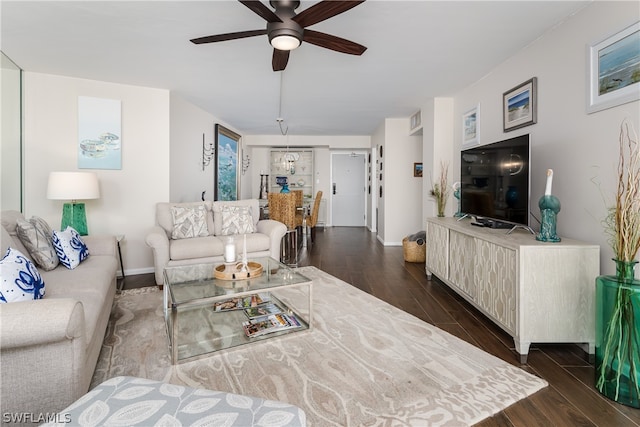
[285,42]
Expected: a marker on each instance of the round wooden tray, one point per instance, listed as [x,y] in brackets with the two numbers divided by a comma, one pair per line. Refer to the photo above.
[233,271]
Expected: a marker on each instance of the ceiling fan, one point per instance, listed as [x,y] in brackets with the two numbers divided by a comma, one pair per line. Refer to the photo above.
[287,30]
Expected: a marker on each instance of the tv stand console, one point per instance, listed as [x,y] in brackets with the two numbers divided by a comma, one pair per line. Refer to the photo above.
[537,292]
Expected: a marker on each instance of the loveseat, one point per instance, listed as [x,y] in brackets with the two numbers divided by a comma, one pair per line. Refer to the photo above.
[49,347]
[194,233]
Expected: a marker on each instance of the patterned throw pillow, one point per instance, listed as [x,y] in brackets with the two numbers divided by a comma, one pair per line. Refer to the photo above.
[70,248]
[189,222]
[20,280]
[36,235]
[237,220]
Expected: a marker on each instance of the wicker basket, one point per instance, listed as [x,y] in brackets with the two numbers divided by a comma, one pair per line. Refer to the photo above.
[413,252]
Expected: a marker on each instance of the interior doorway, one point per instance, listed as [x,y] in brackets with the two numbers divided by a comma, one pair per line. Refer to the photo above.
[348,189]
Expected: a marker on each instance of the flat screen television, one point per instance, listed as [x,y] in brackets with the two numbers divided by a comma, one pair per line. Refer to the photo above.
[495,183]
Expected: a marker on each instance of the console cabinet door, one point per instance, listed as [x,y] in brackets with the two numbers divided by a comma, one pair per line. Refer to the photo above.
[496,277]
[462,254]
[437,261]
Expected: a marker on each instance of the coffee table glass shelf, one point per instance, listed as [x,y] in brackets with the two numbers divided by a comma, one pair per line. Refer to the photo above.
[204,314]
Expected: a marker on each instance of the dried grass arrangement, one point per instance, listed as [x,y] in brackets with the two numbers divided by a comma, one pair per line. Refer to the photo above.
[618,297]
[441,189]
[623,220]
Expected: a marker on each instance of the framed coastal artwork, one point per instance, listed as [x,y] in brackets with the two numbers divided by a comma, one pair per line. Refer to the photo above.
[99,133]
[519,105]
[471,127]
[226,178]
[614,70]
[417,170]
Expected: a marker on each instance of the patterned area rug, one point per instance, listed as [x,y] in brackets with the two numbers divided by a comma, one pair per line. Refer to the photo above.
[365,362]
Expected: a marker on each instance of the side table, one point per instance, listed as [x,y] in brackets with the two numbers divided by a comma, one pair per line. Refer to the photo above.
[120,238]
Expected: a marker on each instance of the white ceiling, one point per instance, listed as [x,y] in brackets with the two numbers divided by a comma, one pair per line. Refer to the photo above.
[417,50]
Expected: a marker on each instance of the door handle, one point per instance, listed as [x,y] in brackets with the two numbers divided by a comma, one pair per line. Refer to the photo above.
[334,188]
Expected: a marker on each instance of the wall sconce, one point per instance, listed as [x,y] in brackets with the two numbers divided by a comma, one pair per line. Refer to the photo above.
[207,153]
[246,161]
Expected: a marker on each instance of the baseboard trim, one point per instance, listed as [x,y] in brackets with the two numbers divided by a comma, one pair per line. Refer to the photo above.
[134,271]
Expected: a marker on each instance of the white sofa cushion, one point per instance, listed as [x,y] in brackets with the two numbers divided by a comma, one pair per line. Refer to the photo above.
[217,206]
[189,221]
[196,247]
[165,220]
[19,278]
[36,236]
[237,220]
[10,233]
[70,248]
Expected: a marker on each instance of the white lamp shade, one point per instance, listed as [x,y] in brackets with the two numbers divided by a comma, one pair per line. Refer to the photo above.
[73,186]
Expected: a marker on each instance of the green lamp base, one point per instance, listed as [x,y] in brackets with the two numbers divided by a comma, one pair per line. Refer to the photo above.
[73,214]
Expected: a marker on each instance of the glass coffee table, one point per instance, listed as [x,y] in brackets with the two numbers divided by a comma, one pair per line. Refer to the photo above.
[204,314]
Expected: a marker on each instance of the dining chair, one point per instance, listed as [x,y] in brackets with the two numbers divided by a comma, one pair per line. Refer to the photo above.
[282,207]
[300,213]
[312,219]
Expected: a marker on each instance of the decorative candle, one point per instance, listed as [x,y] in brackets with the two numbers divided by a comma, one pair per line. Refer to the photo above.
[244,253]
[230,251]
[547,191]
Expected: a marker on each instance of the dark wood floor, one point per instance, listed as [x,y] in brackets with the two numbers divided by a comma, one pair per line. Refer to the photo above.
[354,255]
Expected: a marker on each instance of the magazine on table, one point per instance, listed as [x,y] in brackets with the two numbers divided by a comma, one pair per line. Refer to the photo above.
[272,323]
[262,310]
[241,303]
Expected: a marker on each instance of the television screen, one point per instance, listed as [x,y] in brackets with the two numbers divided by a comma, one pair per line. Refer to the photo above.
[494,181]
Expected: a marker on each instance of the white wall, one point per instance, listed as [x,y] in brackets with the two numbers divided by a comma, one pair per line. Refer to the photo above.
[128,196]
[187,178]
[399,213]
[580,148]
[377,141]
[403,190]
[438,148]
[10,155]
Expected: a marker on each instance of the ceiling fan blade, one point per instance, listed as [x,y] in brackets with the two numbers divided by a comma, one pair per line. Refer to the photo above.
[323,10]
[333,42]
[228,36]
[280,59]
[261,10]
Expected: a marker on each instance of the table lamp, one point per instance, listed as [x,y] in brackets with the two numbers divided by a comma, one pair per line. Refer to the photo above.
[73,186]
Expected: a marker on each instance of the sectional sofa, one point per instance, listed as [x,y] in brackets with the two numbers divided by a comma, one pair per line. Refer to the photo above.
[49,347]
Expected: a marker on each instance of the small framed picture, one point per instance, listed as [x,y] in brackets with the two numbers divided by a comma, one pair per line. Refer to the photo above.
[519,105]
[471,127]
[417,170]
[614,70]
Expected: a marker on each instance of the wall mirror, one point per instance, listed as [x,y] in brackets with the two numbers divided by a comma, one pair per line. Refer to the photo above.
[11,170]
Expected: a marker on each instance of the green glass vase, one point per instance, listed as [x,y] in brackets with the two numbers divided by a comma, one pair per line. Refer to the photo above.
[617,366]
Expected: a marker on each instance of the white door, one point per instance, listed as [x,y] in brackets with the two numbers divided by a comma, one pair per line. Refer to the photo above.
[348,190]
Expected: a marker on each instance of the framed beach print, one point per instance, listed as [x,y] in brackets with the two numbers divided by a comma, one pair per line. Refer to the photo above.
[471,127]
[226,178]
[519,105]
[417,170]
[99,133]
[614,70]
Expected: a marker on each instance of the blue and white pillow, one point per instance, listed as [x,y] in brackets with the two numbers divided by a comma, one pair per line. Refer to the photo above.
[70,248]
[20,280]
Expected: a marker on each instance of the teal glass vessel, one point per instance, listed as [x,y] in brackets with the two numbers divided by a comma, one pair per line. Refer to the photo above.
[549,207]
[617,366]
[285,188]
